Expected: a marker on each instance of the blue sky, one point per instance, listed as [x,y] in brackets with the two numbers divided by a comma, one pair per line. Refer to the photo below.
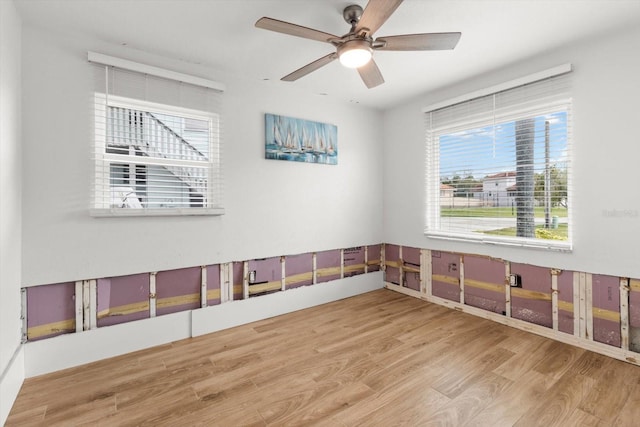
[485,151]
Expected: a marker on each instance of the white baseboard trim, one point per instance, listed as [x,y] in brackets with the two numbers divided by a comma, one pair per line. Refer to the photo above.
[69,350]
[10,383]
[224,316]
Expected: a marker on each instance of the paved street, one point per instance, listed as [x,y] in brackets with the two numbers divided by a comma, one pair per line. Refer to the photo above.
[465,224]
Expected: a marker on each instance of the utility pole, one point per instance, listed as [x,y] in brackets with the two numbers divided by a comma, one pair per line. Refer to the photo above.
[525,184]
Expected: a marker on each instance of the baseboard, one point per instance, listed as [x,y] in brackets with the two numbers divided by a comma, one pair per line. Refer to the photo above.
[66,351]
[224,316]
[10,383]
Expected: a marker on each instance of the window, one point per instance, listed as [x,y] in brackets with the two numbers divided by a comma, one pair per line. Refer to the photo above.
[498,166]
[157,146]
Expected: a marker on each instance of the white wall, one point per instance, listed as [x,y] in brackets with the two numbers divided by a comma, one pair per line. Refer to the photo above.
[11,363]
[272,207]
[606,152]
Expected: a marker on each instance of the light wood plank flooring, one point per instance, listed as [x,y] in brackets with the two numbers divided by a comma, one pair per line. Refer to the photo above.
[378,359]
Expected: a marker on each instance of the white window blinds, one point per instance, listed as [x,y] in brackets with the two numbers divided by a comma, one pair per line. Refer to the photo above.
[158,141]
[498,166]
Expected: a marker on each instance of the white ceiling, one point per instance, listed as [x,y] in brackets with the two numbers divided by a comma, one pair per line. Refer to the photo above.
[220,34]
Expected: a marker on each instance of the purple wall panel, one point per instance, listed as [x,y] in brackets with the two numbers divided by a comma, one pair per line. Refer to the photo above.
[445,264]
[392,275]
[238,278]
[565,293]
[327,259]
[50,304]
[185,283]
[354,257]
[213,283]
[374,253]
[299,264]
[486,270]
[391,252]
[412,280]
[537,279]
[606,296]
[122,299]
[267,270]
[411,255]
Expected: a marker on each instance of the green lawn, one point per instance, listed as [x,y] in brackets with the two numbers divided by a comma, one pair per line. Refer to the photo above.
[560,233]
[502,212]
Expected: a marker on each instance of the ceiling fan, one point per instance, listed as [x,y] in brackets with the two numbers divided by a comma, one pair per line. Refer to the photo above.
[355,49]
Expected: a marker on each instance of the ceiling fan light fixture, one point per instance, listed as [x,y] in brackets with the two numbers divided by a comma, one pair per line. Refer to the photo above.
[354,53]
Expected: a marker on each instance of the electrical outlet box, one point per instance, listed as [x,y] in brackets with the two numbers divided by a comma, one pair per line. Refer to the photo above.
[252,276]
[515,281]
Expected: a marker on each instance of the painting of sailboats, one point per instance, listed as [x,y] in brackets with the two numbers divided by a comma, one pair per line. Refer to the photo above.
[299,140]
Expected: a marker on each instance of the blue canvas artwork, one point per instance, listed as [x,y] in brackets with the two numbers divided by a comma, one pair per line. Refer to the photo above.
[298,140]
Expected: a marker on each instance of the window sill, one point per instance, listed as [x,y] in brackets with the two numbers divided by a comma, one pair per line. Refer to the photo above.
[551,245]
[114,212]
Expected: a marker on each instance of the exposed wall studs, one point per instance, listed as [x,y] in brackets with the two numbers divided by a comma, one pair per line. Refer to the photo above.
[342,263]
[578,315]
[315,268]
[461,279]
[245,280]
[226,287]
[507,288]
[23,313]
[426,267]
[152,294]
[90,302]
[554,298]
[203,286]
[283,274]
[79,300]
[401,280]
[366,259]
[589,306]
[624,313]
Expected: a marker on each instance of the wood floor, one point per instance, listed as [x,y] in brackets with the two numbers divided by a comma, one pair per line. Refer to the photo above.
[378,359]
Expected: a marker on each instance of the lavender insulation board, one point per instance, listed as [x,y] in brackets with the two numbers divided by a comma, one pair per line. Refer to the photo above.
[51,310]
[410,263]
[634,315]
[484,283]
[178,290]
[238,279]
[327,265]
[267,270]
[565,302]
[298,270]
[606,309]
[374,253]
[445,275]
[392,262]
[534,306]
[354,261]
[213,284]
[123,299]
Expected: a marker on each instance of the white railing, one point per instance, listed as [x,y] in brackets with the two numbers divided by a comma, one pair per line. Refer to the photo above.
[145,132]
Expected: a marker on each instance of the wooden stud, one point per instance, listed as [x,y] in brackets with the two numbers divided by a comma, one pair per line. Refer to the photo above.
[366,259]
[554,298]
[400,268]
[152,294]
[89,301]
[342,263]
[245,280]
[624,312]
[79,300]
[461,279]
[23,313]
[283,273]
[314,263]
[589,306]
[427,270]
[203,286]
[577,311]
[226,282]
[507,289]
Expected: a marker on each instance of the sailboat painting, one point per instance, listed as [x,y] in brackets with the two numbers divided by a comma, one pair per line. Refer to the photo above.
[299,140]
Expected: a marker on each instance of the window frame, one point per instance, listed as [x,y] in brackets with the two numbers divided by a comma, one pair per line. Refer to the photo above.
[103,159]
[432,177]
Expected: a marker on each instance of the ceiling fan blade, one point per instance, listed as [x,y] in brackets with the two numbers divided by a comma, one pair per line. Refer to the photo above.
[370,74]
[375,14]
[293,29]
[428,41]
[301,72]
